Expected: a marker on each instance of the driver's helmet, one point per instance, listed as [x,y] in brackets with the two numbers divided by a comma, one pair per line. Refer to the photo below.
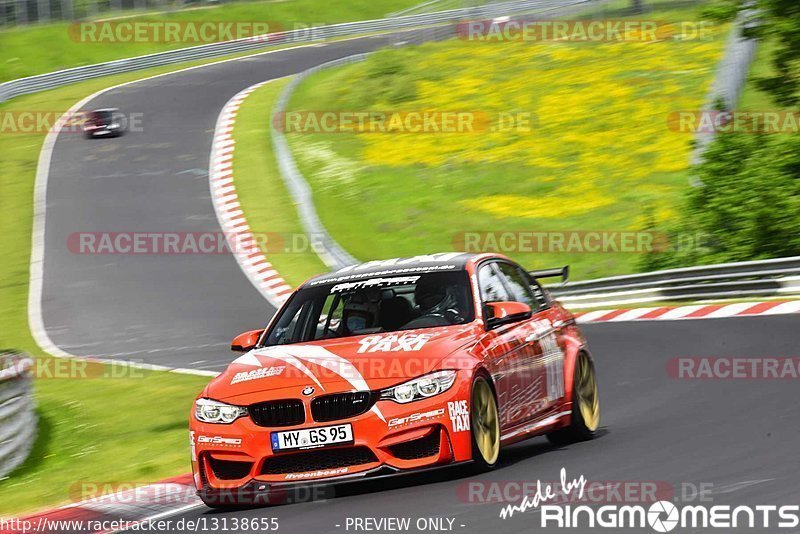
[435,298]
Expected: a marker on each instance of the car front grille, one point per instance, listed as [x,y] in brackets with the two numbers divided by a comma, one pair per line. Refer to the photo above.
[418,448]
[320,459]
[278,413]
[229,470]
[341,405]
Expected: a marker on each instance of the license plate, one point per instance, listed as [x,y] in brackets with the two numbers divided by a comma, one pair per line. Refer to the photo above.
[309,438]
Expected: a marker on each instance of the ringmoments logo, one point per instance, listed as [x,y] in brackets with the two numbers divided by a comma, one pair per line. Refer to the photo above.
[661,516]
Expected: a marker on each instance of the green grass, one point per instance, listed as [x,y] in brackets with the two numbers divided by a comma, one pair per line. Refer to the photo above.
[262,193]
[146,439]
[600,155]
[108,431]
[30,50]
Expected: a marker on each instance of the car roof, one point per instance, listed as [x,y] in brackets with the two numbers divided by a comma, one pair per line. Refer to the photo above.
[440,262]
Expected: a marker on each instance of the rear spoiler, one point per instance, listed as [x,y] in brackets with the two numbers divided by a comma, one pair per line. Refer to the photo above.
[562,272]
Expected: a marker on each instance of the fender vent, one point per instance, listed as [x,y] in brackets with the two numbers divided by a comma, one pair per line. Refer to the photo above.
[418,448]
[229,470]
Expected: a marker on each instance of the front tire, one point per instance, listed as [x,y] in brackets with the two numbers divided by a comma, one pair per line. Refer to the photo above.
[485,423]
[585,405]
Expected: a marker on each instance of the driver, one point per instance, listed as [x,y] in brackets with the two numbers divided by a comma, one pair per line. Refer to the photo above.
[434,298]
[359,313]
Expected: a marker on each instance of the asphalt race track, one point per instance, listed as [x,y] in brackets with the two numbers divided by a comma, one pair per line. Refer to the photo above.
[740,437]
[174,310]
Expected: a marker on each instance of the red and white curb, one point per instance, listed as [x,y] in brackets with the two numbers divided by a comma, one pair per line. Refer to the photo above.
[698,311]
[113,512]
[229,212]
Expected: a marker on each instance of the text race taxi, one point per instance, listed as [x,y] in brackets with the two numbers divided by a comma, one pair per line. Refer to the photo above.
[393,366]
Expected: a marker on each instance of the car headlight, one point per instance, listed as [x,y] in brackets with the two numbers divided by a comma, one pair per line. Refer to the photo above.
[420,388]
[211,411]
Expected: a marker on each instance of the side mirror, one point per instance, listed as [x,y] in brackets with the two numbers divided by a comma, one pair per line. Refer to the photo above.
[504,312]
[246,341]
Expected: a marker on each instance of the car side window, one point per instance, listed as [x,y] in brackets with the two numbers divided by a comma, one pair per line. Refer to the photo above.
[291,326]
[330,319]
[491,285]
[517,284]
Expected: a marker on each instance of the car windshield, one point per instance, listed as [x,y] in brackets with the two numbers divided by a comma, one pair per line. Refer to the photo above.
[374,305]
[100,117]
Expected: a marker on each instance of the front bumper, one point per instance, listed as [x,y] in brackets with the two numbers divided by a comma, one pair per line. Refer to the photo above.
[257,493]
[389,439]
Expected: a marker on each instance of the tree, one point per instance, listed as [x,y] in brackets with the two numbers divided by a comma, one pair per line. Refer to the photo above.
[781,21]
[748,207]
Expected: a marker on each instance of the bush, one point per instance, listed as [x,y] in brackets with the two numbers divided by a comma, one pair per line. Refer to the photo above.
[746,205]
[721,10]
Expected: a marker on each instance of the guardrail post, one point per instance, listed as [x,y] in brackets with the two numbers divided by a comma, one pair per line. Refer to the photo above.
[21,12]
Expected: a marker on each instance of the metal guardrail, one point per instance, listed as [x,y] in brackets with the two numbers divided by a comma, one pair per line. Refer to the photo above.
[330,252]
[60,78]
[765,278]
[17,410]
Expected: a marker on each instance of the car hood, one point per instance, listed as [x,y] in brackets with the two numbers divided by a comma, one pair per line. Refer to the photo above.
[368,362]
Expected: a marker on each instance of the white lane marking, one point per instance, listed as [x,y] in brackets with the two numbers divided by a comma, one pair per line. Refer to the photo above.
[736,486]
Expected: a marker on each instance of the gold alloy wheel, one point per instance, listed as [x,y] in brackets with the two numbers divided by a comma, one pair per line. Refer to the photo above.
[586,393]
[485,421]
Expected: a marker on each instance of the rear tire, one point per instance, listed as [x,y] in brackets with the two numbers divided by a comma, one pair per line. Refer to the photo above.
[485,425]
[585,405]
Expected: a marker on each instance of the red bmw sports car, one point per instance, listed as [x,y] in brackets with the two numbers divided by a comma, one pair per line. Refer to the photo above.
[394,366]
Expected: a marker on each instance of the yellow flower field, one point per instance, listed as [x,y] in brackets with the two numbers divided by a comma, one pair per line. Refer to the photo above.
[595,153]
